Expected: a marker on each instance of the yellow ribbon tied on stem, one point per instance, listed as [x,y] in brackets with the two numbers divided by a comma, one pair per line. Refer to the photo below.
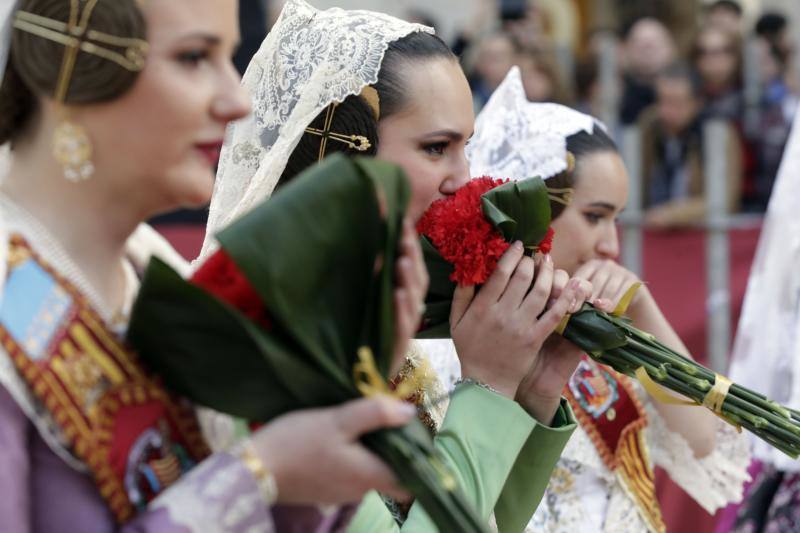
[713,400]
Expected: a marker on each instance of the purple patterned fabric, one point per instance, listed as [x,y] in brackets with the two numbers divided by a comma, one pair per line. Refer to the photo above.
[42,494]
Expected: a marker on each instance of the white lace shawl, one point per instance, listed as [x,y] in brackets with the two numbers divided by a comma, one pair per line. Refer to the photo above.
[309,60]
[584,495]
[766,354]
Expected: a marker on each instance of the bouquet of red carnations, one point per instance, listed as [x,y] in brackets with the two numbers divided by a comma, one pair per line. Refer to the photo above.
[464,235]
[298,299]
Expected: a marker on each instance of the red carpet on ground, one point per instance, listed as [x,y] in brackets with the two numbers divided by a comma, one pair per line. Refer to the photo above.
[674,269]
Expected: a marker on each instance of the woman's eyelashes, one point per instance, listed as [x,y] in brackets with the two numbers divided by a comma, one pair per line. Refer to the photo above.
[193,58]
[436,148]
[593,218]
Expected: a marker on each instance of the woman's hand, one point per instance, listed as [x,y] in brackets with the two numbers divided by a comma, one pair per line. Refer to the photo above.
[499,331]
[610,282]
[540,391]
[316,455]
[409,296]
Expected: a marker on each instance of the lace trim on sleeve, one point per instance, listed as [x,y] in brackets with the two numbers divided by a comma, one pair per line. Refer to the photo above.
[713,481]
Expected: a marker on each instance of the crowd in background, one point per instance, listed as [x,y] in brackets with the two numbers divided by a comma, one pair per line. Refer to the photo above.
[669,86]
[669,77]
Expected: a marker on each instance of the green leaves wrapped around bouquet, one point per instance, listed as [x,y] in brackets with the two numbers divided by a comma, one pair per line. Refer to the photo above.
[299,294]
[614,342]
[464,235]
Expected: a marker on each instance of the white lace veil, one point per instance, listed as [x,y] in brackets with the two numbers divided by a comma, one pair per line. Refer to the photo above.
[309,60]
[766,354]
[518,139]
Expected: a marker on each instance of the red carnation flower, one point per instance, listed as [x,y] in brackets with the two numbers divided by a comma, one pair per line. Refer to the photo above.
[547,243]
[221,277]
[461,234]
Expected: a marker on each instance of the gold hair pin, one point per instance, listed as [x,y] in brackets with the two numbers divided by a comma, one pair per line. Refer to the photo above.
[355,142]
[373,99]
[76,36]
[562,196]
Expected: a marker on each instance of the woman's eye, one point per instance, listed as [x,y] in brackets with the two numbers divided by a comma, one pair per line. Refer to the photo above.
[193,57]
[593,218]
[436,148]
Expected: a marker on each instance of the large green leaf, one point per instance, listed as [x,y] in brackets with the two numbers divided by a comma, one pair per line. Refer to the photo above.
[210,353]
[520,210]
[310,254]
[321,256]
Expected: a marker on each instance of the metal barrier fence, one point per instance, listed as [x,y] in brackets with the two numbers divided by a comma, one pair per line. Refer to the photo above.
[717,224]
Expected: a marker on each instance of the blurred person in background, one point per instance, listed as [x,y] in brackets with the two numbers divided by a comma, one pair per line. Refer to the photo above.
[587,88]
[647,48]
[524,21]
[774,28]
[542,77]
[494,57]
[672,153]
[253,28]
[726,15]
[420,16]
[717,57]
[776,109]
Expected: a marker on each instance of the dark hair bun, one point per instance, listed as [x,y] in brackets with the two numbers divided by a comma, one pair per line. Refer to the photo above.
[354,116]
[35,62]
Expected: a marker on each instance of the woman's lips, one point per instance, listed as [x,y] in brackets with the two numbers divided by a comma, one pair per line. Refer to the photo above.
[210,151]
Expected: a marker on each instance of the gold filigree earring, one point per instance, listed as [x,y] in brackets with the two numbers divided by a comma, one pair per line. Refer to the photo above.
[72,147]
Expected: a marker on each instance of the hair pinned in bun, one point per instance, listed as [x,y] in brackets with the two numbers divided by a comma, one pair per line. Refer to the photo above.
[35,62]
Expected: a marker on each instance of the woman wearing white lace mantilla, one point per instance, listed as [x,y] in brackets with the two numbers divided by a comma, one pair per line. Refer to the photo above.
[363,83]
[604,480]
[766,355]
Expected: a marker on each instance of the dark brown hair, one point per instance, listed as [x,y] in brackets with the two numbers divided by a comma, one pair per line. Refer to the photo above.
[34,63]
[580,145]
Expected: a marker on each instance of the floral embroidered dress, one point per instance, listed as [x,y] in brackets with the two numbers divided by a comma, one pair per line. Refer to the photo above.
[589,489]
[604,480]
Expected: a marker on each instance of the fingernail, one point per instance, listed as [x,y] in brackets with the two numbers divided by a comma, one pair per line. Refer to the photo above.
[518,245]
[574,305]
[407,409]
[574,284]
[548,259]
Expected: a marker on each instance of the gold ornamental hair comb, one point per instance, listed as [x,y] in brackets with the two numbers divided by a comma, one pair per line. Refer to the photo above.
[355,142]
[76,36]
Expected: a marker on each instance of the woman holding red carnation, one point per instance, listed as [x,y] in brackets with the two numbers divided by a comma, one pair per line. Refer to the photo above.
[604,481]
[403,97]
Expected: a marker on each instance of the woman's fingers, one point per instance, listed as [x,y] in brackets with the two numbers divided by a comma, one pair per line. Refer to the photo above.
[496,285]
[518,286]
[536,300]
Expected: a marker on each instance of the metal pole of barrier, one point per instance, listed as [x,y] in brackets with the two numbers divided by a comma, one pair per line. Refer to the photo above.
[566,60]
[609,81]
[718,306]
[631,217]
[752,87]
